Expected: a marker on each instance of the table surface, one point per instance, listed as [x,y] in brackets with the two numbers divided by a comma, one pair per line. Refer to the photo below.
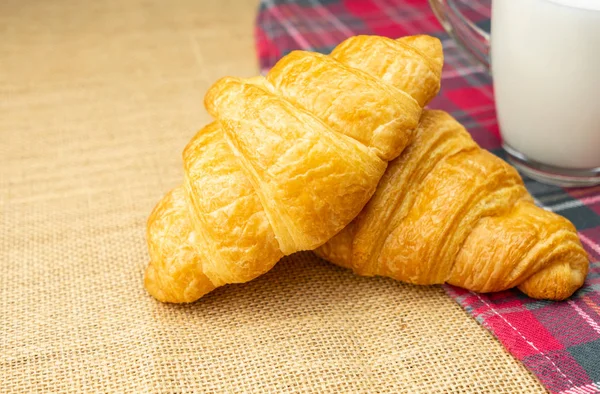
[97,101]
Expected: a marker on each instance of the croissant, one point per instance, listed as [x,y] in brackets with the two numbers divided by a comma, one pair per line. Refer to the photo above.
[289,161]
[447,211]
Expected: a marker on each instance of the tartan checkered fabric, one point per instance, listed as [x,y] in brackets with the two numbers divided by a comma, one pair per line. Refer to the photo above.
[558,341]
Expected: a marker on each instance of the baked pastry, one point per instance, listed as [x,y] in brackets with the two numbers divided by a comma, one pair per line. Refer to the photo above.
[447,211]
[289,161]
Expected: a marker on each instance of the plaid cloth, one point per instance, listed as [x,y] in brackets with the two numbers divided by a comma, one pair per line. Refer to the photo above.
[558,341]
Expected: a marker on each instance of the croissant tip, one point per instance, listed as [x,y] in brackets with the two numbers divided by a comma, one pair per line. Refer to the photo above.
[150,286]
[428,45]
[553,286]
[213,93]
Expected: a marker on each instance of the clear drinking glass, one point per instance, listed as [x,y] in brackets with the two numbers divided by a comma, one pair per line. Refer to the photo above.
[544,59]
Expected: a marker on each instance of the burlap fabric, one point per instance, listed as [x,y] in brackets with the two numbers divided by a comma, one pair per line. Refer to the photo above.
[97,101]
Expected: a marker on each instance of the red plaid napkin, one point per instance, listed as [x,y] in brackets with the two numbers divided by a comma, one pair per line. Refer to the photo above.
[558,341]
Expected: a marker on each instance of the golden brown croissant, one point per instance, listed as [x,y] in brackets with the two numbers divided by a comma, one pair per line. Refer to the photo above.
[447,211]
[290,160]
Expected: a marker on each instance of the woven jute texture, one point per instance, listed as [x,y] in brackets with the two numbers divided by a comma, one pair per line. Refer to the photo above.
[97,101]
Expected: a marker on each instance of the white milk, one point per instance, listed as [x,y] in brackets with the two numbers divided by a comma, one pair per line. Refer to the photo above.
[546,70]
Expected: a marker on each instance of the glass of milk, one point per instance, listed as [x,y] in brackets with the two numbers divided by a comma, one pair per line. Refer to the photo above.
[545,64]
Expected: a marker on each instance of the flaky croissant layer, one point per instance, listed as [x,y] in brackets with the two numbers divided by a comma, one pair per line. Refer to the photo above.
[447,211]
[289,161]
